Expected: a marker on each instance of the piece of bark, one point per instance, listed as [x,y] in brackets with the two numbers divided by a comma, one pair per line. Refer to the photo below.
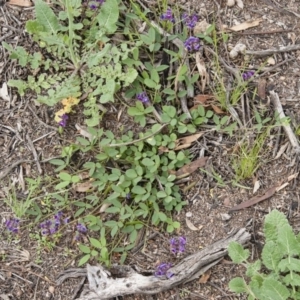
[123,280]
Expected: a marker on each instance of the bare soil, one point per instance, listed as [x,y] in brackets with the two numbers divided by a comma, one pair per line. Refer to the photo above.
[27,272]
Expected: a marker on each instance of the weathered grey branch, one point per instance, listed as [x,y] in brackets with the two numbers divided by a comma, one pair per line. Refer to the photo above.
[273,51]
[287,128]
[123,280]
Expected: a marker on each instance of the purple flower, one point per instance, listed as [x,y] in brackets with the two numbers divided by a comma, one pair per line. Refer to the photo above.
[81,230]
[12,225]
[168,16]
[50,227]
[162,270]
[143,97]
[63,121]
[96,4]
[128,196]
[192,44]
[190,20]
[93,6]
[177,244]
[247,75]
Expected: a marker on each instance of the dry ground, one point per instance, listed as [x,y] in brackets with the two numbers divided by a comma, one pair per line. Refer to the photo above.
[22,121]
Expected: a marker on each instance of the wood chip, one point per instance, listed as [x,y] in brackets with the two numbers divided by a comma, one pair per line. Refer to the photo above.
[22,3]
[245,25]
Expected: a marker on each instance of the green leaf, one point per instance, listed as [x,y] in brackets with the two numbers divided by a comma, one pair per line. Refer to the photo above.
[162,216]
[292,279]
[19,84]
[112,210]
[274,220]
[274,289]
[170,228]
[147,162]
[65,176]
[108,16]
[238,285]
[138,190]
[46,17]
[133,236]
[95,243]
[62,185]
[271,255]
[253,268]
[57,162]
[84,248]
[237,253]
[84,260]
[131,173]
[287,240]
[289,264]
[154,75]
[161,194]
[150,83]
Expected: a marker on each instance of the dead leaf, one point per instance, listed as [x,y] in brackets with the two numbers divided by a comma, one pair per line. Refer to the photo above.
[256,186]
[202,99]
[84,132]
[187,141]
[4,92]
[191,167]
[191,226]
[245,25]
[163,149]
[84,175]
[204,278]
[230,3]
[282,150]
[254,200]
[271,61]
[82,187]
[240,4]
[204,77]
[23,3]
[201,27]
[217,109]
[261,88]
[104,207]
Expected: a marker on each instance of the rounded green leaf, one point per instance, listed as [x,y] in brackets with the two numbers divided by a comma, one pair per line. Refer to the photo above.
[131,173]
[147,162]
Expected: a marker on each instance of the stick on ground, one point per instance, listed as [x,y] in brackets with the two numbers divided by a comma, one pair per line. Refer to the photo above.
[123,280]
[287,128]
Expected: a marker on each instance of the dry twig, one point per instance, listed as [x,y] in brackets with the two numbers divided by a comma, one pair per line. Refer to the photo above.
[287,128]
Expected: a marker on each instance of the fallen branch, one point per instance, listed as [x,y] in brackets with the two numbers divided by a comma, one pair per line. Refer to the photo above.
[123,280]
[273,51]
[287,128]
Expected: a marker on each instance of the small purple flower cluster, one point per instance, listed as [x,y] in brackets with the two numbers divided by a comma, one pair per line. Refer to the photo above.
[168,16]
[63,121]
[81,230]
[96,4]
[247,75]
[143,98]
[177,245]
[192,44]
[190,20]
[162,270]
[12,225]
[50,227]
